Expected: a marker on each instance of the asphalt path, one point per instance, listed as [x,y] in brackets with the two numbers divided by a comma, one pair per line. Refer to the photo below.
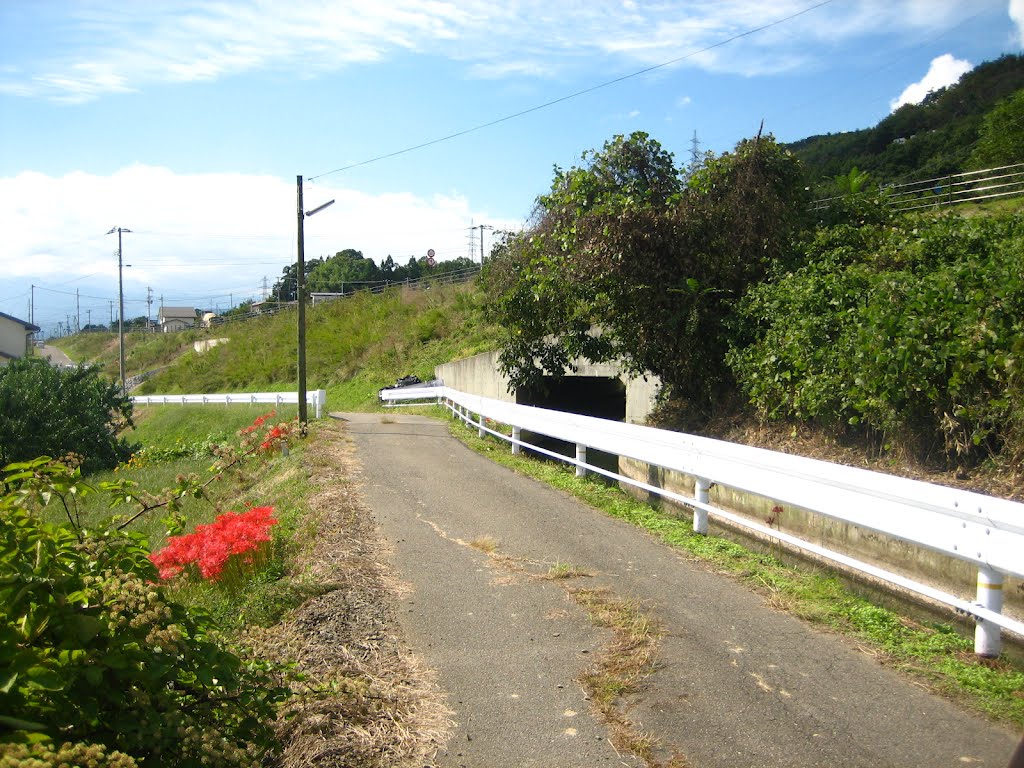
[738,683]
[54,356]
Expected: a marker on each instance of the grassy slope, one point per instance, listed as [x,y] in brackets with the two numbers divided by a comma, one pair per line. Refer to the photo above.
[353,347]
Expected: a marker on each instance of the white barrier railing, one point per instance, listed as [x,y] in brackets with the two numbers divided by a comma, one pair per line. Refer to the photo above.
[985,531]
[316,398]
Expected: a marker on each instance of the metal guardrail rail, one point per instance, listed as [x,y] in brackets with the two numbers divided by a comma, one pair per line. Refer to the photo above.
[985,531]
[316,398]
[952,189]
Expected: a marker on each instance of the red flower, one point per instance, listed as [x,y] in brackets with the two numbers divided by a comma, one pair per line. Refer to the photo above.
[210,547]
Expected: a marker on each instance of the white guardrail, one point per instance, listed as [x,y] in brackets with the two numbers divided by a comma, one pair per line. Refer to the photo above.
[316,397]
[985,531]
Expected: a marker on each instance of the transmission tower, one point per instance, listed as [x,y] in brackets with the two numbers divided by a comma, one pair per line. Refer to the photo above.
[472,240]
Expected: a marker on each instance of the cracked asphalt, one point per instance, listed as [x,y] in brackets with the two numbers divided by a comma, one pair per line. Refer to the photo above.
[738,683]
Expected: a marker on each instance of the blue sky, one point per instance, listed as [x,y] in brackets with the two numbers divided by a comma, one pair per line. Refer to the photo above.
[188,122]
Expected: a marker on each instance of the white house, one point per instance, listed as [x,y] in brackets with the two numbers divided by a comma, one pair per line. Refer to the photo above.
[15,338]
[176,318]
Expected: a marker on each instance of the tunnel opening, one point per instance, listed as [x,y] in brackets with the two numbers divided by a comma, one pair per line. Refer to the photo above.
[602,397]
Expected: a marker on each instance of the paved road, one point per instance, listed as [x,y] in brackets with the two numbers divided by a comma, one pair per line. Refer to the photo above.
[738,684]
[54,355]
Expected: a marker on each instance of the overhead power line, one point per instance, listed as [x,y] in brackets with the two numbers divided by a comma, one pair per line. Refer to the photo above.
[574,95]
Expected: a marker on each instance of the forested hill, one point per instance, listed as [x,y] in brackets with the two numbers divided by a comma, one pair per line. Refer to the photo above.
[919,141]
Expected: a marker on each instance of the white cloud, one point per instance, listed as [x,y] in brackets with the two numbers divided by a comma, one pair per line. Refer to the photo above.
[196,236]
[1016,11]
[944,70]
[119,47]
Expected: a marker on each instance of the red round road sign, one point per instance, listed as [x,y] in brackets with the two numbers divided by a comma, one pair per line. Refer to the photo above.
[430,257]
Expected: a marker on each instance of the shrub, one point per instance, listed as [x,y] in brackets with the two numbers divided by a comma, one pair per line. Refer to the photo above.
[48,411]
[93,650]
[918,337]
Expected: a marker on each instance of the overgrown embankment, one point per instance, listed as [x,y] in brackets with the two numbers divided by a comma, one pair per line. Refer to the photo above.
[354,346]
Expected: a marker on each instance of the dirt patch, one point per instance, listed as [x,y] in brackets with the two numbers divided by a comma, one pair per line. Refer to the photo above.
[368,700]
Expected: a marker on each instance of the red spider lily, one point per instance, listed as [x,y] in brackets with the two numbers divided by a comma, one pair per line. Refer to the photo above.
[273,436]
[210,548]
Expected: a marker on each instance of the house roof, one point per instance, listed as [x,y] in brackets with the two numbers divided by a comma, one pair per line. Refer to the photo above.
[178,313]
[27,326]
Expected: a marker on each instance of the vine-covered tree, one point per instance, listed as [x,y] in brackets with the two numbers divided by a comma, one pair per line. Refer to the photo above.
[624,261]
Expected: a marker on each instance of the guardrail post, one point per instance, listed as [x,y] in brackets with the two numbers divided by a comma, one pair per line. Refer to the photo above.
[480,432]
[987,640]
[516,435]
[701,495]
[581,458]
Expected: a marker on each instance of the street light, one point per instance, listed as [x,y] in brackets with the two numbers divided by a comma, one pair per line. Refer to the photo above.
[300,278]
[120,295]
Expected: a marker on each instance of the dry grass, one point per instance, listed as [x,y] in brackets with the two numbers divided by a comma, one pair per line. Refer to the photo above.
[621,669]
[560,571]
[485,543]
[367,701]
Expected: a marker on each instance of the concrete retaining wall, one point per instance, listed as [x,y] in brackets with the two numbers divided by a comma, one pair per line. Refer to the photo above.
[479,375]
[946,573]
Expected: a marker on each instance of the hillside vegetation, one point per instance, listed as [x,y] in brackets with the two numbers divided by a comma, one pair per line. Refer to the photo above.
[355,346]
[945,133]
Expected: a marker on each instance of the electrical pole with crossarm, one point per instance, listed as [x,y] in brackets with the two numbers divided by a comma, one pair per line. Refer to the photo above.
[120,294]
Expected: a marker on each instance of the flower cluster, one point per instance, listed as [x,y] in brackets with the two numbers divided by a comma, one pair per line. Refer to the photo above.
[258,422]
[276,434]
[233,540]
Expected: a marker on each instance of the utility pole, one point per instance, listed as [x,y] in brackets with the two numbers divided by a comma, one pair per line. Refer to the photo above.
[481,227]
[149,309]
[300,269]
[32,308]
[120,294]
[300,276]
[111,324]
[472,240]
[88,321]
[78,312]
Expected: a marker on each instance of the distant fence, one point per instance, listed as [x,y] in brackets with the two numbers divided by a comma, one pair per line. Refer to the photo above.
[952,189]
[317,398]
[984,531]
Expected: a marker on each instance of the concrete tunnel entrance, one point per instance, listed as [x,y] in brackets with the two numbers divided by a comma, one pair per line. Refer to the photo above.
[600,396]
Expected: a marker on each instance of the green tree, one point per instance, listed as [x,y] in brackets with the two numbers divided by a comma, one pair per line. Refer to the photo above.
[54,411]
[1001,141]
[346,271]
[285,287]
